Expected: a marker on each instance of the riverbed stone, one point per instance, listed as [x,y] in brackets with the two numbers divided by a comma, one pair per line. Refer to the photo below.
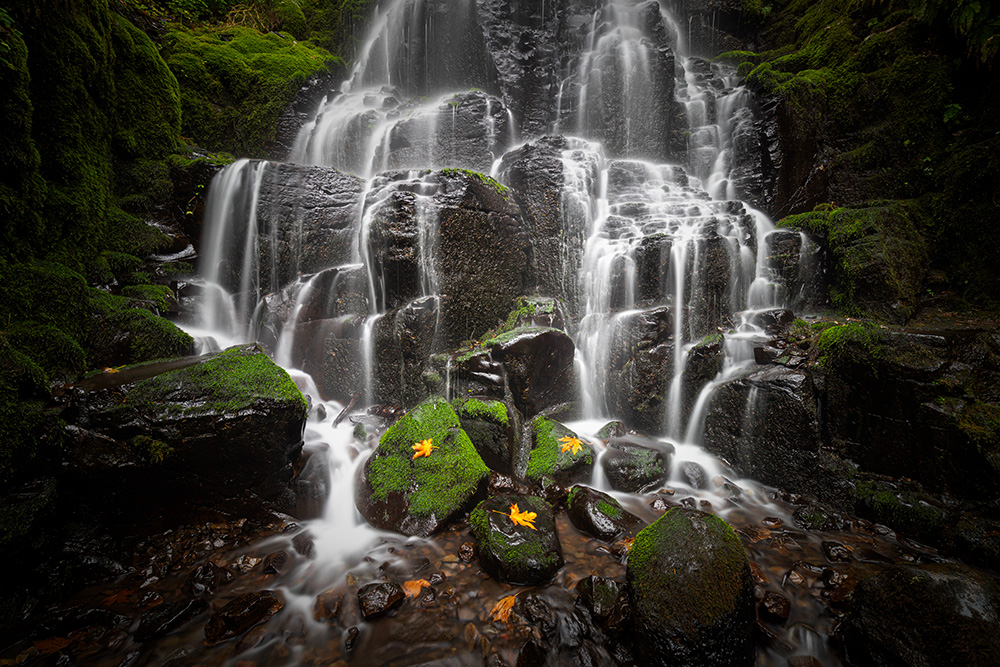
[634,463]
[241,614]
[598,514]
[419,496]
[689,584]
[515,553]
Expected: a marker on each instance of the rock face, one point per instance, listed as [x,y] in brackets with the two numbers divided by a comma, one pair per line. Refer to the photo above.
[598,513]
[689,584]
[418,496]
[766,424]
[935,614]
[515,553]
[552,455]
[495,432]
[222,432]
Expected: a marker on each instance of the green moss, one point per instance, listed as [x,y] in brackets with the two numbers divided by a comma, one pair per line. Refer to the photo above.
[858,343]
[611,511]
[500,189]
[231,381]
[528,560]
[686,567]
[493,411]
[132,335]
[981,423]
[153,450]
[22,386]
[547,457]
[904,510]
[160,296]
[56,353]
[235,82]
[437,484]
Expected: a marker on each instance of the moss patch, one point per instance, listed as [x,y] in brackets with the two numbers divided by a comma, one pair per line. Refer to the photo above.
[547,458]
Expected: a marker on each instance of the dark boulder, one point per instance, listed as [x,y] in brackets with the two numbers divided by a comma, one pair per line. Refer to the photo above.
[379,598]
[553,456]
[691,593]
[539,367]
[635,464]
[495,432]
[923,615]
[516,553]
[639,367]
[598,514]
[419,496]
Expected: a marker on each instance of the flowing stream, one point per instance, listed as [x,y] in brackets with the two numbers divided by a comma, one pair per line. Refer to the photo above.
[647,181]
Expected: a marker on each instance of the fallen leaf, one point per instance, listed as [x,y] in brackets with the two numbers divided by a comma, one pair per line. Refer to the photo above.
[522,518]
[423,448]
[570,444]
[503,609]
[414,586]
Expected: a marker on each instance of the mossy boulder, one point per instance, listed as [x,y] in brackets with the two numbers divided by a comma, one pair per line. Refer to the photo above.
[134,335]
[598,514]
[547,458]
[933,614]
[222,432]
[515,553]
[419,496]
[634,463]
[494,430]
[689,584]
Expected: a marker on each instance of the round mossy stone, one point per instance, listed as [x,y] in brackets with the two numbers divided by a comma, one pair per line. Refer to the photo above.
[547,458]
[597,513]
[688,581]
[418,496]
[635,464]
[516,553]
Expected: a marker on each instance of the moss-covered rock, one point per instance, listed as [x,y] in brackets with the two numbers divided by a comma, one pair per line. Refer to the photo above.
[933,614]
[515,553]
[235,82]
[597,513]
[418,496]
[879,256]
[494,430]
[547,458]
[688,580]
[134,335]
[23,390]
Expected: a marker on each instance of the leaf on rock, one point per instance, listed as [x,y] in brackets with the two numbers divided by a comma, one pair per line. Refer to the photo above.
[570,444]
[423,448]
[414,586]
[503,609]
[522,518]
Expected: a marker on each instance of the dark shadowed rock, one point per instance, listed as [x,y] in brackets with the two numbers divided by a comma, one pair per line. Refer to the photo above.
[515,553]
[377,599]
[689,584]
[597,513]
[494,430]
[924,615]
[634,463]
[241,614]
[167,617]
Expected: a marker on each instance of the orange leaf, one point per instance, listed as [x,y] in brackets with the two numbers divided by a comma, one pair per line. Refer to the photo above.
[423,448]
[502,610]
[570,444]
[123,596]
[414,586]
[522,518]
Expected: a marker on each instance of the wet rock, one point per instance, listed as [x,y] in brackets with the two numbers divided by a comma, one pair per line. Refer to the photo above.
[597,513]
[377,599]
[613,429]
[689,585]
[304,544]
[704,363]
[635,464]
[548,458]
[804,661]
[166,618]
[661,505]
[328,604]
[600,595]
[773,321]
[539,367]
[639,367]
[207,578]
[351,638]
[502,484]
[275,562]
[936,614]
[223,431]
[515,553]
[241,614]
[835,552]
[775,608]
[467,552]
[418,496]
[695,475]
[493,430]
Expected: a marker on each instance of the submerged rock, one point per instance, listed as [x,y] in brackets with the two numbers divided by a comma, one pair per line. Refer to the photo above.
[552,454]
[418,496]
[241,614]
[635,464]
[934,614]
[689,584]
[516,553]
[598,513]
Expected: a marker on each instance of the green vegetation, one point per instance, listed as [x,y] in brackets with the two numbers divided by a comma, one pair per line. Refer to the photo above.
[494,411]
[547,458]
[231,381]
[436,485]
[853,343]
[489,181]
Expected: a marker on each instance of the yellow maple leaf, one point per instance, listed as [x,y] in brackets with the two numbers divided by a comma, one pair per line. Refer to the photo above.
[423,448]
[502,609]
[414,586]
[522,518]
[570,444]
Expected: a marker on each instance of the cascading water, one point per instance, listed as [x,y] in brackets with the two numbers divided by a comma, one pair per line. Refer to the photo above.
[669,255]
